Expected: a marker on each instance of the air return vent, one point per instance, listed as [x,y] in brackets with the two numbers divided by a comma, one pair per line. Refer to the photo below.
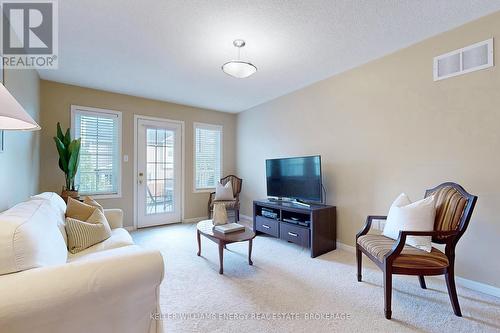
[465,60]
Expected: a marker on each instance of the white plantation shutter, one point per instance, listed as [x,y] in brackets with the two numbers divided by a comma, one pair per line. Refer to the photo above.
[100,132]
[208,155]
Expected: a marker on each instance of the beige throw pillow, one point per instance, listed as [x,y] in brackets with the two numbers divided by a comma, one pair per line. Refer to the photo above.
[78,210]
[220,214]
[91,202]
[82,235]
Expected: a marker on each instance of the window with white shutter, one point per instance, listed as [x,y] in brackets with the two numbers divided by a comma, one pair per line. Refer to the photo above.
[207,156]
[99,171]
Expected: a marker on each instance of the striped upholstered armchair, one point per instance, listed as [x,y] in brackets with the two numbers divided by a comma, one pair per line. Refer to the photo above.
[233,205]
[454,208]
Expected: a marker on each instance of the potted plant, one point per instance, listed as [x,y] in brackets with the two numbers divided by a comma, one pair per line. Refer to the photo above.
[69,157]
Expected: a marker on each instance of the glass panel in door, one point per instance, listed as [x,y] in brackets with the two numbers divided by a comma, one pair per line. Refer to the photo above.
[160,171]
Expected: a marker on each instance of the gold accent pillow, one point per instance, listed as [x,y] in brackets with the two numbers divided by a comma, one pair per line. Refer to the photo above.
[82,235]
[220,214]
[78,210]
[91,202]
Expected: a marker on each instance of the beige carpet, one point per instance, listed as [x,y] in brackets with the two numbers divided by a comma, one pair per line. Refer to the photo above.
[285,286]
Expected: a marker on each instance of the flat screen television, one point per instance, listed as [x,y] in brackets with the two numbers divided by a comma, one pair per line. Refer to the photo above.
[295,178]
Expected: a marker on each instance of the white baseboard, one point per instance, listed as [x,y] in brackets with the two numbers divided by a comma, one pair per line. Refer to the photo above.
[191,220]
[246,217]
[478,286]
[195,219]
[345,247]
[466,283]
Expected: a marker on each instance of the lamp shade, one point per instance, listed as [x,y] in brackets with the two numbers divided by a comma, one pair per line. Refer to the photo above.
[239,69]
[12,114]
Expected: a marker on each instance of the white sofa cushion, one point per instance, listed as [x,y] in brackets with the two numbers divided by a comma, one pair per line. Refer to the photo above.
[60,209]
[30,237]
[54,198]
[119,238]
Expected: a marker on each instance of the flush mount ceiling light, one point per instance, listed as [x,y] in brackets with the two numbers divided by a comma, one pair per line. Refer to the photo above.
[237,68]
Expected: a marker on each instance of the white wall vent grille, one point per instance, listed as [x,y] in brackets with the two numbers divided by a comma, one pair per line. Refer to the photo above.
[465,60]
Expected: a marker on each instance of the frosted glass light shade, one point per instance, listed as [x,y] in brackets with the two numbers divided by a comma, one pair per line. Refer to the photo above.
[239,69]
[12,114]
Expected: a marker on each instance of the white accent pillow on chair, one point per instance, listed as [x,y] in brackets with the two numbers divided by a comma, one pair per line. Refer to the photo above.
[416,216]
[224,192]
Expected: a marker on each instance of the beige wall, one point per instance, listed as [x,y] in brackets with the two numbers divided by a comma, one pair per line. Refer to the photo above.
[386,127]
[19,163]
[56,99]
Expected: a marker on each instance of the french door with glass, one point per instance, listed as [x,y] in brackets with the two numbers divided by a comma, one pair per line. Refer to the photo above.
[158,172]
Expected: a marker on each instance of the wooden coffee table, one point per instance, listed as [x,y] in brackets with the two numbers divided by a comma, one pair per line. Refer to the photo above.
[206,228]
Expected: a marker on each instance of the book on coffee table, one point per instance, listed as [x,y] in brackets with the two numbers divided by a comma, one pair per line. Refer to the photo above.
[230,227]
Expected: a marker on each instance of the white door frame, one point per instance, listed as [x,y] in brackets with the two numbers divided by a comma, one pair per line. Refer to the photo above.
[136,160]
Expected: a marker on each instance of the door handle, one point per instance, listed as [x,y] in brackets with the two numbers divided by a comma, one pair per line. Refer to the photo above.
[292,234]
[140,180]
[265,226]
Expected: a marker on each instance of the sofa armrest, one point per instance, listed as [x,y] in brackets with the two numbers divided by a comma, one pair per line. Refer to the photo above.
[114,292]
[114,217]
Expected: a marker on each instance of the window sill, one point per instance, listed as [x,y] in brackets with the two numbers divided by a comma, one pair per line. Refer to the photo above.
[102,196]
[204,190]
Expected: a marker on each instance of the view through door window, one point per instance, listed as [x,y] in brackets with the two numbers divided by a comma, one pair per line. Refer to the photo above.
[160,171]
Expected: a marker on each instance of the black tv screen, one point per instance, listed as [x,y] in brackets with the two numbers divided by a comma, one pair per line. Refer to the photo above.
[295,177]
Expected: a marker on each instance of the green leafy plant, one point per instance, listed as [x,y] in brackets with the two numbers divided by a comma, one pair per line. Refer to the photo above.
[69,156]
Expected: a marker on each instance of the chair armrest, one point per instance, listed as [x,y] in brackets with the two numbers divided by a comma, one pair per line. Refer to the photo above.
[211,198]
[401,241]
[114,217]
[368,224]
[209,205]
[107,288]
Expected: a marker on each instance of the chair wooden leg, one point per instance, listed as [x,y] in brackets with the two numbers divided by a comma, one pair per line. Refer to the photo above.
[421,279]
[387,292]
[452,291]
[359,261]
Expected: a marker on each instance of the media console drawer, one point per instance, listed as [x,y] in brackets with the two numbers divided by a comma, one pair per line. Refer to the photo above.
[267,226]
[294,234]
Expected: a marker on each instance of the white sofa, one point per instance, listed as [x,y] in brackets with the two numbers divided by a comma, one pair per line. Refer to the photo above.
[112,286]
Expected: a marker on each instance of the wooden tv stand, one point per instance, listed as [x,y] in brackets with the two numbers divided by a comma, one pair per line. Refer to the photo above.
[319,235]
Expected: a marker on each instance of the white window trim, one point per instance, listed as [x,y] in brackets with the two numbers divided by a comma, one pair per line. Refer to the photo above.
[92,111]
[212,127]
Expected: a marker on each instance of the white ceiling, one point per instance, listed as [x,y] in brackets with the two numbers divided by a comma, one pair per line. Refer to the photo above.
[172,50]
